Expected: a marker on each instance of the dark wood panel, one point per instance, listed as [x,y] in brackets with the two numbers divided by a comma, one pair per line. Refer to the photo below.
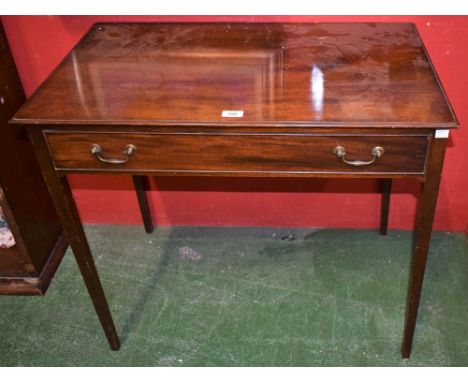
[319,74]
[12,262]
[18,284]
[248,154]
[20,176]
[23,193]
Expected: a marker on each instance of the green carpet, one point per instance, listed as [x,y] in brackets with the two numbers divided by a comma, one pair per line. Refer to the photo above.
[254,297]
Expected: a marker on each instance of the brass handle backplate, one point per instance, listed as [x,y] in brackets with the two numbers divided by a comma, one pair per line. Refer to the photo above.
[128,151]
[376,152]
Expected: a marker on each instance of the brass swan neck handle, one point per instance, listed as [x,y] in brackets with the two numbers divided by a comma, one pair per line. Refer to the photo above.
[376,152]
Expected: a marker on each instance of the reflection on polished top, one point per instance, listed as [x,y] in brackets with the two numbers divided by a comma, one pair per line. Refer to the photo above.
[272,74]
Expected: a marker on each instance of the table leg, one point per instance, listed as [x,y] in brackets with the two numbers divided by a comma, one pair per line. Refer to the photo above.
[386,191]
[422,236]
[69,217]
[141,185]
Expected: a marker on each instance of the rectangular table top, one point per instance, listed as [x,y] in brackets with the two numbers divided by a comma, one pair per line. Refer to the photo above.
[244,74]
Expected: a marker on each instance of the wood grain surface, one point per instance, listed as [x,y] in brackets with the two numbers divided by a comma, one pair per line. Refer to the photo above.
[360,74]
[238,154]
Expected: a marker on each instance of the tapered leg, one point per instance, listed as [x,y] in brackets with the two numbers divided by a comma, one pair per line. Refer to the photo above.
[422,237]
[69,217]
[140,183]
[386,191]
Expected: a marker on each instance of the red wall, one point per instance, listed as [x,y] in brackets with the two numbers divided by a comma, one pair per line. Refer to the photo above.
[39,43]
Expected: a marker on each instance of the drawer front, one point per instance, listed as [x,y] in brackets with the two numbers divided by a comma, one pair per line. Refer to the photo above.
[249,154]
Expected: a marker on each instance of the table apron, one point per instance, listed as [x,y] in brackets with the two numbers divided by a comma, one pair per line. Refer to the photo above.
[288,155]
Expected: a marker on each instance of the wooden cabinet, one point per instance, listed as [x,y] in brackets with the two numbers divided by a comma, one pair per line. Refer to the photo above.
[28,263]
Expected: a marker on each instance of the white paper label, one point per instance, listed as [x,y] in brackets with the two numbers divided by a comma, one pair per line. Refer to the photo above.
[442,133]
[232,113]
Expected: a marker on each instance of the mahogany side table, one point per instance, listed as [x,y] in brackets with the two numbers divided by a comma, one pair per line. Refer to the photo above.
[341,100]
